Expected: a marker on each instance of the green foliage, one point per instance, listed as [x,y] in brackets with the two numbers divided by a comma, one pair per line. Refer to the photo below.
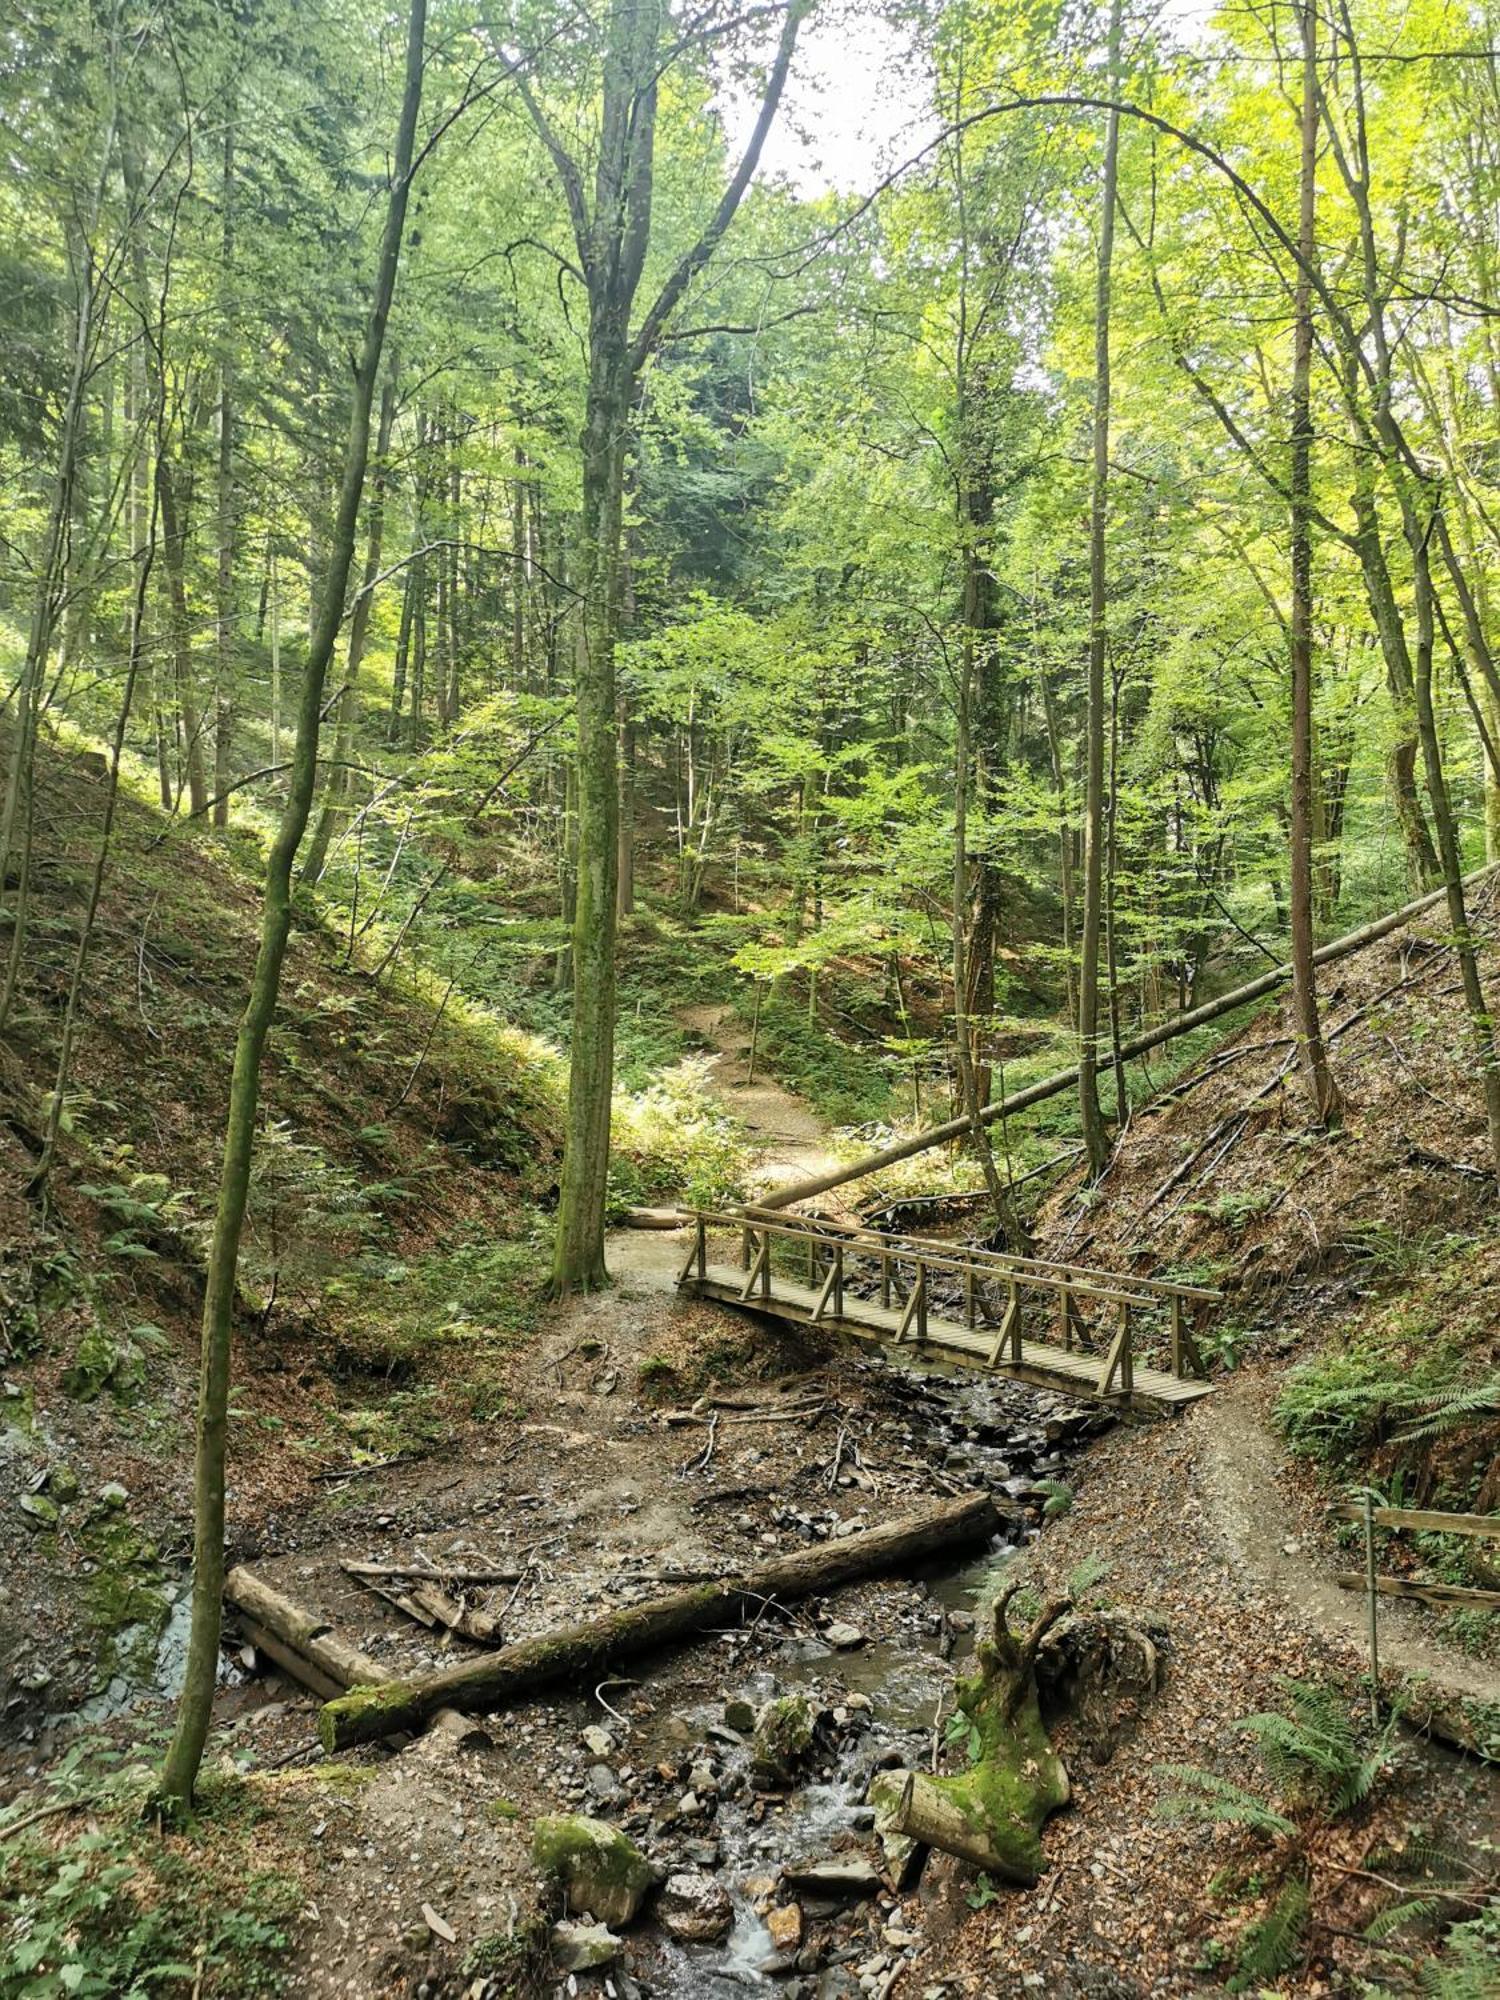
[1316,1751]
[673,1141]
[1410,1377]
[1470,1961]
[1204,1798]
[1273,1944]
[1059,1500]
[118,1912]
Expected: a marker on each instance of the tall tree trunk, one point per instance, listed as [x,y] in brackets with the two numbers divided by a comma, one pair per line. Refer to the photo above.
[612,242]
[180,1771]
[337,783]
[224,690]
[1095,1137]
[1323,1098]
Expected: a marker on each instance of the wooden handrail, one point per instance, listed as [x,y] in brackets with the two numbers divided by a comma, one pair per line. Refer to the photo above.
[931,1246]
[1064,1279]
[1424,1520]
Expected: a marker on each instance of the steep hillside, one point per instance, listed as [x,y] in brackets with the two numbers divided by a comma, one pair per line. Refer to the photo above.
[394,1251]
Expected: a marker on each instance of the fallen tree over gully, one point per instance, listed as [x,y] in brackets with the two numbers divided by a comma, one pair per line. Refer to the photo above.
[1137,1045]
[368,1713]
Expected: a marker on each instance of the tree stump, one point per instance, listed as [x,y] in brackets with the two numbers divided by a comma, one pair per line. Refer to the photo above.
[993,1813]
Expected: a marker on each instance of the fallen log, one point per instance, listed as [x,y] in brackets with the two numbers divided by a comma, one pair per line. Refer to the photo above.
[367,1713]
[302,1644]
[309,1650]
[1137,1045]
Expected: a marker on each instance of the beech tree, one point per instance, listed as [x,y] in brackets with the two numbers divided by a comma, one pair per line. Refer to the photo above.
[185,1753]
[612,237]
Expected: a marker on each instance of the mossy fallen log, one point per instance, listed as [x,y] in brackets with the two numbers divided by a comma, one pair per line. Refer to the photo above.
[477,1685]
[992,1814]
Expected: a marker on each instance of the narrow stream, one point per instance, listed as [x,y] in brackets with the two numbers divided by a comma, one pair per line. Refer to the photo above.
[880,1703]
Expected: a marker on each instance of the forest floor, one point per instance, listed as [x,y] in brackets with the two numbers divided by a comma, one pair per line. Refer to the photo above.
[428,1409]
[583,1489]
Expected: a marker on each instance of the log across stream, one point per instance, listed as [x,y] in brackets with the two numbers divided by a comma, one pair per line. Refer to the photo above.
[999,1440]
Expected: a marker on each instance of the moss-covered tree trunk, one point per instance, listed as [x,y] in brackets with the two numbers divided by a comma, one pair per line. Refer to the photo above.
[992,1814]
[180,1772]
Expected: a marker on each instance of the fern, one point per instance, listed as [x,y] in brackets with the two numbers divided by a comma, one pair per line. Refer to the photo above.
[1273,1944]
[1093,1569]
[1448,1409]
[1466,1971]
[1414,1909]
[1206,1799]
[1315,1747]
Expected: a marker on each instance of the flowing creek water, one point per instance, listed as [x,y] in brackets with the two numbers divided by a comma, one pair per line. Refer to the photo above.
[882,1704]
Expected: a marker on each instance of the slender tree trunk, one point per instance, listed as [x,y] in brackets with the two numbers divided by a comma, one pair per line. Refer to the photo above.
[224,690]
[275,589]
[180,1772]
[1481,1023]
[1111,873]
[518,573]
[1095,1137]
[337,783]
[403,650]
[174,561]
[1322,1092]
[51,573]
[625,888]
[139,600]
[1001,1199]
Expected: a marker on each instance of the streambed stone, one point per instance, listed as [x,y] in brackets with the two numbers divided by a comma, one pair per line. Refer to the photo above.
[694,1908]
[581,1947]
[601,1868]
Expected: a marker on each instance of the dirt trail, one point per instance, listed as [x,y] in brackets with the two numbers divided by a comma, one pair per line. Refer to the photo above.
[1244,1469]
[792,1141]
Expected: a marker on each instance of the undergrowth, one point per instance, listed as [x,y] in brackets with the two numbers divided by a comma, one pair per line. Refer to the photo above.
[1323,1761]
[120,1910]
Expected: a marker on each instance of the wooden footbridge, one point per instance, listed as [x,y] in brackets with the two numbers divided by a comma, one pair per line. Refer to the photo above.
[981,1308]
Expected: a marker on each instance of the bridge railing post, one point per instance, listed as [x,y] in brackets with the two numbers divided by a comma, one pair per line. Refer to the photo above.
[921,1301]
[969,1312]
[1013,1314]
[885,1281]
[838,1279]
[765,1264]
[1065,1302]
[702,1247]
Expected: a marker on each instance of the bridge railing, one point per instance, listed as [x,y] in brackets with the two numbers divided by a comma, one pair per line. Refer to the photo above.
[900,1270]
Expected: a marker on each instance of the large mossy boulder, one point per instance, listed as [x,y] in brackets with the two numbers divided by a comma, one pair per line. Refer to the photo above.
[601,1869]
[783,1739]
[993,1813]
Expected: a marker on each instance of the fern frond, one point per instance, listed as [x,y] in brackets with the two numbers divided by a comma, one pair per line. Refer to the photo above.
[1274,1944]
[1396,1916]
[1206,1799]
[1447,1409]
[1093,1569]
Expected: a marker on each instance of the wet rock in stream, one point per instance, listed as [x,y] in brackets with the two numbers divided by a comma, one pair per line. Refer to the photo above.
[694,1908]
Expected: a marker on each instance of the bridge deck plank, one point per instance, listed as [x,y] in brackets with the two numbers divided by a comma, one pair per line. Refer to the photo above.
[1042,1362]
